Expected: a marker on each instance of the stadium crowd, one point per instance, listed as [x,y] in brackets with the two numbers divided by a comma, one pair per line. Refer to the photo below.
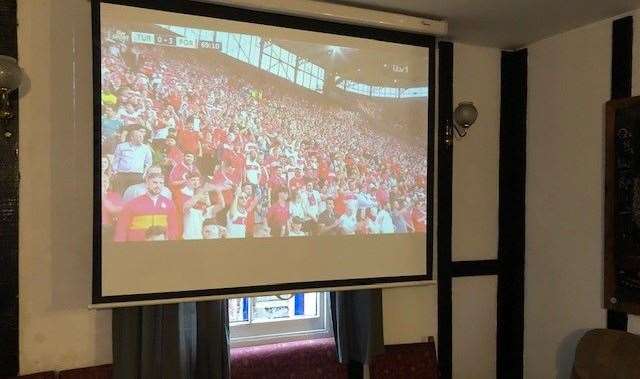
[191,150]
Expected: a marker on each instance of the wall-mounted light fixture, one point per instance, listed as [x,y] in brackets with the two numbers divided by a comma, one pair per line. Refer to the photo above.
[10,79]
[463,117]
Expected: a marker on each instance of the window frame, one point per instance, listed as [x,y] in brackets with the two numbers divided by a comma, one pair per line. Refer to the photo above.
[263,332]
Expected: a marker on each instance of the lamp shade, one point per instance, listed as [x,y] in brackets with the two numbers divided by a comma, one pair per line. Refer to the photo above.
[10,73]
[465,114]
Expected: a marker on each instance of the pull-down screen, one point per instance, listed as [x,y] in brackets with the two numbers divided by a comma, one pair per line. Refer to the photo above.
[238,155]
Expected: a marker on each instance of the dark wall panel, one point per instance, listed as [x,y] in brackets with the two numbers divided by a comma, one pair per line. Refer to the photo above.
[445,160]
[621,80]
[511,238]
[9,208]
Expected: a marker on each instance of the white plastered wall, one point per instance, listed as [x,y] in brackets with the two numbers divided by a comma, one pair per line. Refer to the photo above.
[569,83]
[57,331]
[476,77]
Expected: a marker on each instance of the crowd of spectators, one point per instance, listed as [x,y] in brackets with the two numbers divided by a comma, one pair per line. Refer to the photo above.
[192,150]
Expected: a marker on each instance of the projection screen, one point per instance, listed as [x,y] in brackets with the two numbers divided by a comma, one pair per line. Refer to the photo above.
[243,152]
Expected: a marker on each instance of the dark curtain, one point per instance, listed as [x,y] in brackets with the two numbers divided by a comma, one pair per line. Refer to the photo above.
[174,341]
[357,325]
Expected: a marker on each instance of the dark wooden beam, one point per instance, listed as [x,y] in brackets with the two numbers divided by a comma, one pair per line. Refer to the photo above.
[511,223]
[9,184]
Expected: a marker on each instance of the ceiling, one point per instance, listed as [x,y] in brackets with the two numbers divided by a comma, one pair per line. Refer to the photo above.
[506,24]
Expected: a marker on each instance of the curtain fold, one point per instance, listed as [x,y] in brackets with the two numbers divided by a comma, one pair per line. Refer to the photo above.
[213,340]
[185,341]
[357,325]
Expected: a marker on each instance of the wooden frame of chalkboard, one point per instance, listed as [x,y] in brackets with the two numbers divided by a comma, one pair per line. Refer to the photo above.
[622,206]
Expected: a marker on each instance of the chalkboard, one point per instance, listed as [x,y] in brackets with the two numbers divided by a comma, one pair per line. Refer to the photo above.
[622,206]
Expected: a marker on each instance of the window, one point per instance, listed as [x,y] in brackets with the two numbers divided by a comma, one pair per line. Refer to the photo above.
[375,91]
[244,47]
[270,319]
[310,75]
[355,87]
[278,61]
[384,92]
[415,92]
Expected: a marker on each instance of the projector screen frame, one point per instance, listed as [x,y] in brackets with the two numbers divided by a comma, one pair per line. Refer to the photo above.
[273,19]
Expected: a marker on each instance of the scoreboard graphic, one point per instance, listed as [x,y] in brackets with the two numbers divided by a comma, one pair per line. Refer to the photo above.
[171,40]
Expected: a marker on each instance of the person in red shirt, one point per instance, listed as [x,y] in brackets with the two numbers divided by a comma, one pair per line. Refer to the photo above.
[252,201]
[278,215]
[173,152]
[209,158]
[323,170]
[277,181]
[341,201]
[419,217]
[189,140]
[174,100]
[273,158]
[222,176]
[349,162]
[297,181]
[218,136]
[111,206]
[236,160]
[382,195]
[264,176]
[146,211]
[180,172]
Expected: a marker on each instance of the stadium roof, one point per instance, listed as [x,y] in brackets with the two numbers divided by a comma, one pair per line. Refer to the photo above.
[375,67]
[357,60]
